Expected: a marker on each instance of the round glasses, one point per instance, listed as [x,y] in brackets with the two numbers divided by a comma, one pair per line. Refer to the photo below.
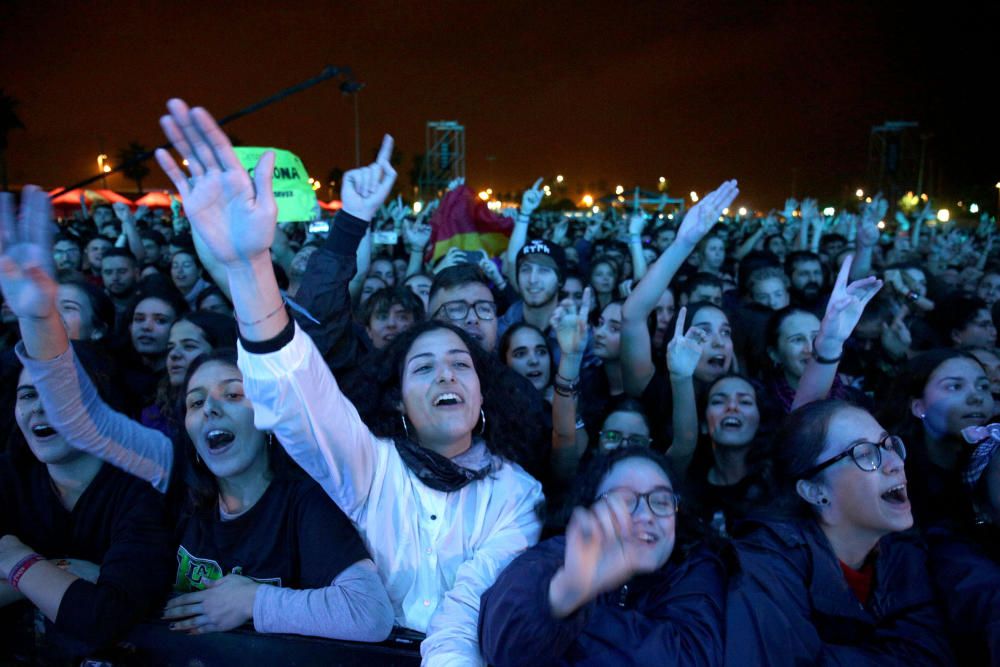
[866,455]
[661,502]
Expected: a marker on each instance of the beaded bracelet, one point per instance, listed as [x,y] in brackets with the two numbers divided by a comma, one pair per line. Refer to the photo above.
[16,572]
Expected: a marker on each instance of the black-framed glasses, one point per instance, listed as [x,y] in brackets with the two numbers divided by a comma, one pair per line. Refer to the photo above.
[661,501]
[617,438]
[459,310]
[866,455]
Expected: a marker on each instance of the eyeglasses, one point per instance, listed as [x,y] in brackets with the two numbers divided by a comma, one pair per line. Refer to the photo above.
[866,455]
[661,502]
[459,310]
[616,438]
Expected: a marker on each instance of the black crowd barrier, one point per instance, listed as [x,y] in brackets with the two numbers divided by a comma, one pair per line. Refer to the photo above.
[153,644]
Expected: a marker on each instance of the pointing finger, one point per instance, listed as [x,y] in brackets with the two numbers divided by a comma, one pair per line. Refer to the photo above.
[537,184]
[679,325]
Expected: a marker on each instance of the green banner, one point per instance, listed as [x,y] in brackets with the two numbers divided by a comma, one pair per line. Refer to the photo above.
[292,191]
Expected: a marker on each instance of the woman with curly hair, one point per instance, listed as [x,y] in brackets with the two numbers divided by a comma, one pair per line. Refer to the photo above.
[428,481]
[624,586]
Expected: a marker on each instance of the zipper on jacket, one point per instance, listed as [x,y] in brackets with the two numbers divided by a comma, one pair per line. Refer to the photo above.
[623,596]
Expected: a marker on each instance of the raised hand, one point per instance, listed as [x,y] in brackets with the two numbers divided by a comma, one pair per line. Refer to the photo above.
[702,216]
[636,223]
[684,350]
[26,254]
[789,211]
[234,216]
[847,303]
[570,323]
[365,188]
[810,209]
[531,198]
[492,272]
[559,231]
[416,235]
[896,338]
[601,554]
[123,212]
[875,210]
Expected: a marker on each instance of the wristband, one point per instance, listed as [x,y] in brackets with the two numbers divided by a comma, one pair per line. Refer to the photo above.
[824,360]
[635,238]
[22,566]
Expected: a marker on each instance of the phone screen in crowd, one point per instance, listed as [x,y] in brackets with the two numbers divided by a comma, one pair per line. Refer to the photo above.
[385,238]
[320,227]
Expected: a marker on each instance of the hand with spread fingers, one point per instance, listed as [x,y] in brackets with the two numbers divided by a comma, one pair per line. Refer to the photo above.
[26,270]
[601,554]
[684,349]
[224,605]
[234,216]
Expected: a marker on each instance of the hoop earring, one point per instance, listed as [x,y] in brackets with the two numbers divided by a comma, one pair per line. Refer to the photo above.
[482,415]
[406,429]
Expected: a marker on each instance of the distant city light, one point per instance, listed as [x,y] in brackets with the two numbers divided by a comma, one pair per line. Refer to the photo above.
[694,196]
[828,211]
[973,208]
[725,211]
[619,189]
[484,195]
[596,209]
[588,200]
[662,179]
[944,215]
[860,193]
[743,210]
[559,178]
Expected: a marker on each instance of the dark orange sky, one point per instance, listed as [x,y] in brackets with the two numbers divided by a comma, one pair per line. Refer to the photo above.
[614,91]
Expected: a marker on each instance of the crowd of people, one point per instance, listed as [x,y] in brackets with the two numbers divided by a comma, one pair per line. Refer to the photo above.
[628,439]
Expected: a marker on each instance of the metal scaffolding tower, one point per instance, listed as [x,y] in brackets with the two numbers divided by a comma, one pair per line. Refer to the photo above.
[444,156]
[896,152]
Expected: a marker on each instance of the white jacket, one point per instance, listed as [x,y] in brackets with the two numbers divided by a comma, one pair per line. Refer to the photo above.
[437,552]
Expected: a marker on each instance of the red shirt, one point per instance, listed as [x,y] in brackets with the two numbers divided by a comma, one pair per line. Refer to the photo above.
[860,581]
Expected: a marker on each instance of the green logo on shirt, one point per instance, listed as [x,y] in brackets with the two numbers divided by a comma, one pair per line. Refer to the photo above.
[194,574]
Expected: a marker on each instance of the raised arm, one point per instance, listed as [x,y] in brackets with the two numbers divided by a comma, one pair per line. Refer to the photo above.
[568,442]
[293,392]
[132,237]
[636,223]
[530,200]
[637,362]
[683,353]
[843,311]
[70,399]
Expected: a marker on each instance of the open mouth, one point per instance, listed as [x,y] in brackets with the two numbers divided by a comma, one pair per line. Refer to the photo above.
[731,422]
[647,537]
[534,374]
[42,431]
[447,398]
[219,439]
[717,361]
[896,495]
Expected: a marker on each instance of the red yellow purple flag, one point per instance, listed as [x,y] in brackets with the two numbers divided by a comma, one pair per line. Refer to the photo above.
[463,221]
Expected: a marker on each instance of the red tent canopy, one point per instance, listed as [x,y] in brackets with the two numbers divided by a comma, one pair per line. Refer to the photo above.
[155,200]
[71,198]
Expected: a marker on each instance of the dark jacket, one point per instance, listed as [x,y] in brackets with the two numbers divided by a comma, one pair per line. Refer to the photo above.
[671,617]
[324,293]
[792,605]
[967,577]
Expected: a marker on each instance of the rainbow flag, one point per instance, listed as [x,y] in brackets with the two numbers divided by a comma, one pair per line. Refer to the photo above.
[463,221]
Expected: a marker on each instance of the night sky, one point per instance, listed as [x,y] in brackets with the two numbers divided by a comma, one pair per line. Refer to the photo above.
[777,94]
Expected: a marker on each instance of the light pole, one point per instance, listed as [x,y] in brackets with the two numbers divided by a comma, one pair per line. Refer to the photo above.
[353,88]
[105,168]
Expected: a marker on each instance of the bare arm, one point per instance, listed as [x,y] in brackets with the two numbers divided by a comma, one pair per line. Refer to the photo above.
[530,200]
[683,354]
[637,363]
[843,311]
[570,325]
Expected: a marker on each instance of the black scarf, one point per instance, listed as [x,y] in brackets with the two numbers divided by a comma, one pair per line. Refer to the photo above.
[434,470]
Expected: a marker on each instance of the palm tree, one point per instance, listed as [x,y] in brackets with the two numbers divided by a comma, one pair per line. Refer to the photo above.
[132,167]
[8,121]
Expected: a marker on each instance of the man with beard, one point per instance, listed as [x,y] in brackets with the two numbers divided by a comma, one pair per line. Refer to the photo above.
[120,273]
[805,270]
[540,269]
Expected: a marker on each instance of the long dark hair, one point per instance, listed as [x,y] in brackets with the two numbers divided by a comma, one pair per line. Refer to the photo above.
[508,433]
[797,444]
[202,486]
